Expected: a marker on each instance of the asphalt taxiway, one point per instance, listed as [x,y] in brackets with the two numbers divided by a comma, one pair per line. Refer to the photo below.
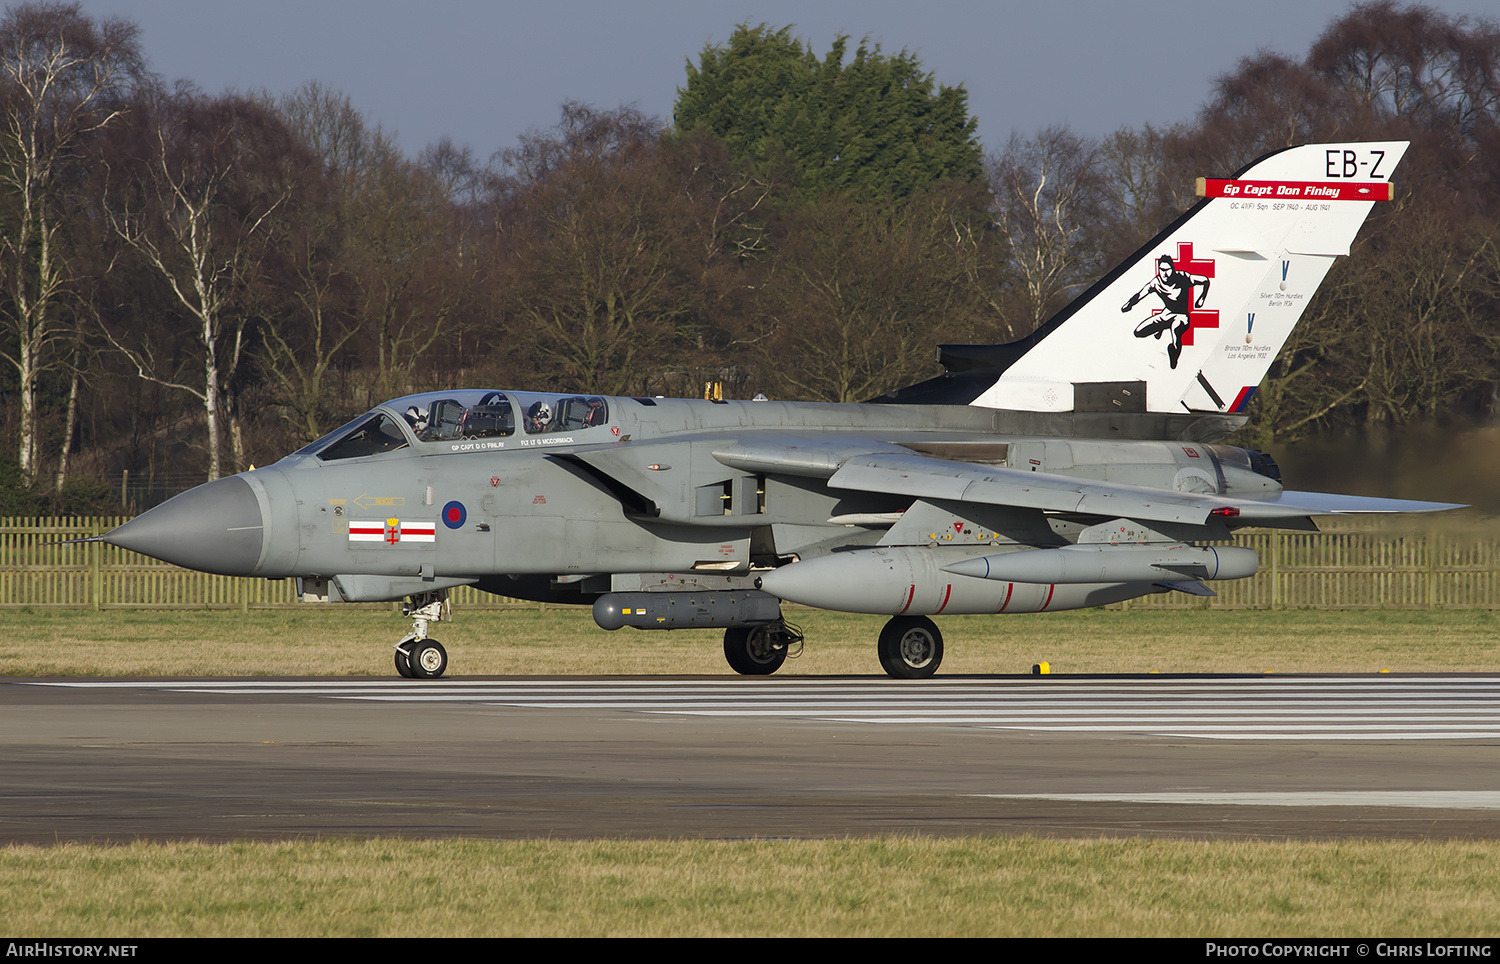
[1217,756]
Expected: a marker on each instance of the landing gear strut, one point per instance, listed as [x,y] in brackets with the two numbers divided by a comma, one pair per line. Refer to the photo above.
[417,655]
[910,647]
[760,650]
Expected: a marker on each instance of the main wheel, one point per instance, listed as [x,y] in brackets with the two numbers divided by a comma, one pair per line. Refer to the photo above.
[752,650]
[911,647]
[428,659]
[403,664]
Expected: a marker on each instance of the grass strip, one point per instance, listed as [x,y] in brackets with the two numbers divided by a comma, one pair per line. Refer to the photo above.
[879,887]
[341,641]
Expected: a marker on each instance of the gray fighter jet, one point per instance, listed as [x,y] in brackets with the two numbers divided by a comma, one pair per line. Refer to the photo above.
[1074,468]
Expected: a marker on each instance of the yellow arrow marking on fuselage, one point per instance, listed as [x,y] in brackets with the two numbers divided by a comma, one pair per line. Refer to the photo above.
[364,500]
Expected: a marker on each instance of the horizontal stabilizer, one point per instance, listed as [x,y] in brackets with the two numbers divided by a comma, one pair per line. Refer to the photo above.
[1294,504]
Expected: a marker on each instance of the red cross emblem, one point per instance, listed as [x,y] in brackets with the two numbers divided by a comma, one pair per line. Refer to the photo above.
[1204,267]
[392,531]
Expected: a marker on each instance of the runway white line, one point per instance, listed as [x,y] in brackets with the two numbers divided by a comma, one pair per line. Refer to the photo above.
[1237,708]
[1326,685]
[1425,799]
[1389,693]
[1143,719]
[1395,707]
[575,701]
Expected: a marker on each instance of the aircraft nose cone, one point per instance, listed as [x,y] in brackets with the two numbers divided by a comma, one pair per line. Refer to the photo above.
[216,527]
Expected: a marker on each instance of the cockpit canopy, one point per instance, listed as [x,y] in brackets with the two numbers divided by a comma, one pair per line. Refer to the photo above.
[466,420]
[446,418]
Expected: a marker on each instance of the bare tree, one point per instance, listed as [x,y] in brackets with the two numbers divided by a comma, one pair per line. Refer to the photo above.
[303,341]
[328,124]
[602,265]
[315,323]
[198,210]
[407,287]
[1415,63]
[730,205]
[62,78]
[376,259]
[1045,191]
[862,294]
[1138,194]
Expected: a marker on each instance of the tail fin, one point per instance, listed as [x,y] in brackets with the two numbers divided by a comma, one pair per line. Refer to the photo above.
[1192,321]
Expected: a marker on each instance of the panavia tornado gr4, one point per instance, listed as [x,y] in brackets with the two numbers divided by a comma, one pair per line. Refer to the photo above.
[1076,467]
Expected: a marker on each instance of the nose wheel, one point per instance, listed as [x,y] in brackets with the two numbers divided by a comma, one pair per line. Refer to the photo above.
[421,659]
[418,656]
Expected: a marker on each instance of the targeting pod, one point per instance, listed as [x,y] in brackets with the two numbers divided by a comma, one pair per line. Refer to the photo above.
[713,609]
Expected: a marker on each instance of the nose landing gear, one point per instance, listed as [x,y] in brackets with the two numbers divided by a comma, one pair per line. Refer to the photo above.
[417,655]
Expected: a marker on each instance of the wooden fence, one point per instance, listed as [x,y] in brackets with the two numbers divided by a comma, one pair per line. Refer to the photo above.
[39,568]
[1351,565]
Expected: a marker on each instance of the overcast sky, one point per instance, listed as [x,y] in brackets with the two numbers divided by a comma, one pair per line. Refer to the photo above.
[482,72]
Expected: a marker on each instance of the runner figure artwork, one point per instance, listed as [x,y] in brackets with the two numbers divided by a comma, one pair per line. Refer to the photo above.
[1175,289]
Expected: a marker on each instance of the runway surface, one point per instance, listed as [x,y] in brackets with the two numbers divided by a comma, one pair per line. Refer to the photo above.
[1408,756]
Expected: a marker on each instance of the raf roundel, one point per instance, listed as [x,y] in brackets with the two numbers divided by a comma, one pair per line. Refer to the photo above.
[454,514]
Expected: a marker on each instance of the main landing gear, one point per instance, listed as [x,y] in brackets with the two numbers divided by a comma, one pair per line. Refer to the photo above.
[417,655]
[760,650]
[910,647]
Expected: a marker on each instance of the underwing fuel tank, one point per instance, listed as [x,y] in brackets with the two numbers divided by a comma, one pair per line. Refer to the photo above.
[907,580]
[1080,564]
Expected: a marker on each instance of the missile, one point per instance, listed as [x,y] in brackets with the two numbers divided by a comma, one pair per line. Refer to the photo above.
[1102,563]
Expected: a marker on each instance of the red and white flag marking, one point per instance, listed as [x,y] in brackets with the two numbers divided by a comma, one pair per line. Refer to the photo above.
[391,531]
[366,530]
